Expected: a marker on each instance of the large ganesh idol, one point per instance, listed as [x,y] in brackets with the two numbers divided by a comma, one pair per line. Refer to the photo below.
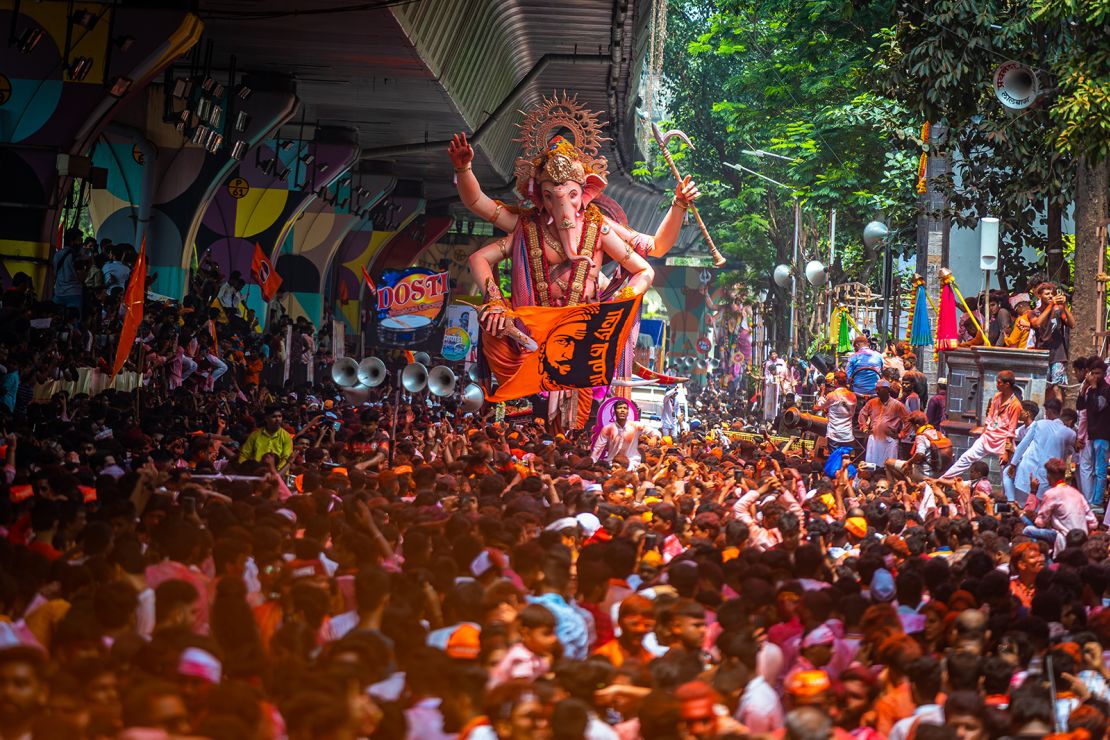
[559,235]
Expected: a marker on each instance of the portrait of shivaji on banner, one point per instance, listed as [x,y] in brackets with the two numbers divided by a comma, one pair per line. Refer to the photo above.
[577,347]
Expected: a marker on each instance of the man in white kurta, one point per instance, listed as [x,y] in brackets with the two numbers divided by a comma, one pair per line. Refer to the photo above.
[774,372]
[620,437]
[1045,439]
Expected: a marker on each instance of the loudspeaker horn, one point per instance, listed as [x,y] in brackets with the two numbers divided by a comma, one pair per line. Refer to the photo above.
[423,358]
[712,365]
[344,372]
[874,233]
[472,398]
[1015,85]
[988,243]
[356,395]
[414,378]
[441,381]
[782,275]
[816,273]
[473,374]
[371,372]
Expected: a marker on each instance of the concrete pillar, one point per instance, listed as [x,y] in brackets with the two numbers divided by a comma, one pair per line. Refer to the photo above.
[932,234]
[260,201]
[46,112]
[186,176]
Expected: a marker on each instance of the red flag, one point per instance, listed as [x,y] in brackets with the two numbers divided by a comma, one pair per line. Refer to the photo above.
[133,299]
[264,273]
[369,283]
[21,493]
[88,493]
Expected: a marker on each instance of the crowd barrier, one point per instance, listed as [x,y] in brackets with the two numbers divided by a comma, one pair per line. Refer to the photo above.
[90,381]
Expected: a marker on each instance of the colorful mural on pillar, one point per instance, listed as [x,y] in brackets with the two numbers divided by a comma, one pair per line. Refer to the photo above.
[319,232]
[142,151]
[392,214]
[680,290]
[261,199]
[66,69]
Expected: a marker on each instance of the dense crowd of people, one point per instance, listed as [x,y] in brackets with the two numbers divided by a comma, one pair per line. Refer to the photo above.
[225,553]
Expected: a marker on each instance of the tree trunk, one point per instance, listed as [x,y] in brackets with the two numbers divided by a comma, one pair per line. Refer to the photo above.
[1091,181]
[1054,254]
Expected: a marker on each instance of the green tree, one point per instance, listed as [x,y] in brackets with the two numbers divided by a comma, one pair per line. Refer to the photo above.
[750,75]
[1023,167]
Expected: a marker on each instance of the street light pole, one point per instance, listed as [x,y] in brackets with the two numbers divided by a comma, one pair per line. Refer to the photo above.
[873,233]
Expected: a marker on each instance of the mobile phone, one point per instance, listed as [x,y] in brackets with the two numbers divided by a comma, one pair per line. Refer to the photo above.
[335,425]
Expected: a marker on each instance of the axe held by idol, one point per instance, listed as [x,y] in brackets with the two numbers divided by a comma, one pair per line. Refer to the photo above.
[661,139]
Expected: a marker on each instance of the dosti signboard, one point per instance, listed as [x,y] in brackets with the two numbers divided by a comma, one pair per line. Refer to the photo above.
[411,304]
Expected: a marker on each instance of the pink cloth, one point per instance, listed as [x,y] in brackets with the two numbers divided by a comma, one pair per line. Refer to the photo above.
[886,421]
[760,537]
[1064,508]
[519,662]
[1001,423]
[169,570]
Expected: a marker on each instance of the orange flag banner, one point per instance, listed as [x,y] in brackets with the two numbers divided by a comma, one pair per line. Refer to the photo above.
[133,299]
[264,274]
[578,347]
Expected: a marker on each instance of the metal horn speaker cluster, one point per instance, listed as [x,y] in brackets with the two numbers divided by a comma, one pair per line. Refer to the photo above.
[441,381]
[423,358]
[371,372]
[344,372]
[414,378]
[472,398]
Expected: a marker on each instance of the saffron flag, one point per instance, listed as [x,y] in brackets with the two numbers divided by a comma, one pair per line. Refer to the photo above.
[133,299]
[576,347]
[369,283]
[265,274]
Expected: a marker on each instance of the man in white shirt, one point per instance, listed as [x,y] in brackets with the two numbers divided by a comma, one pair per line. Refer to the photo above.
[116,273]
[774,370]
[840,409]
[620,437]
[231,295]
[1052,436]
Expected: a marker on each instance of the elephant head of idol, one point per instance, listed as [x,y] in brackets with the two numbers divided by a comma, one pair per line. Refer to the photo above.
[561,172]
